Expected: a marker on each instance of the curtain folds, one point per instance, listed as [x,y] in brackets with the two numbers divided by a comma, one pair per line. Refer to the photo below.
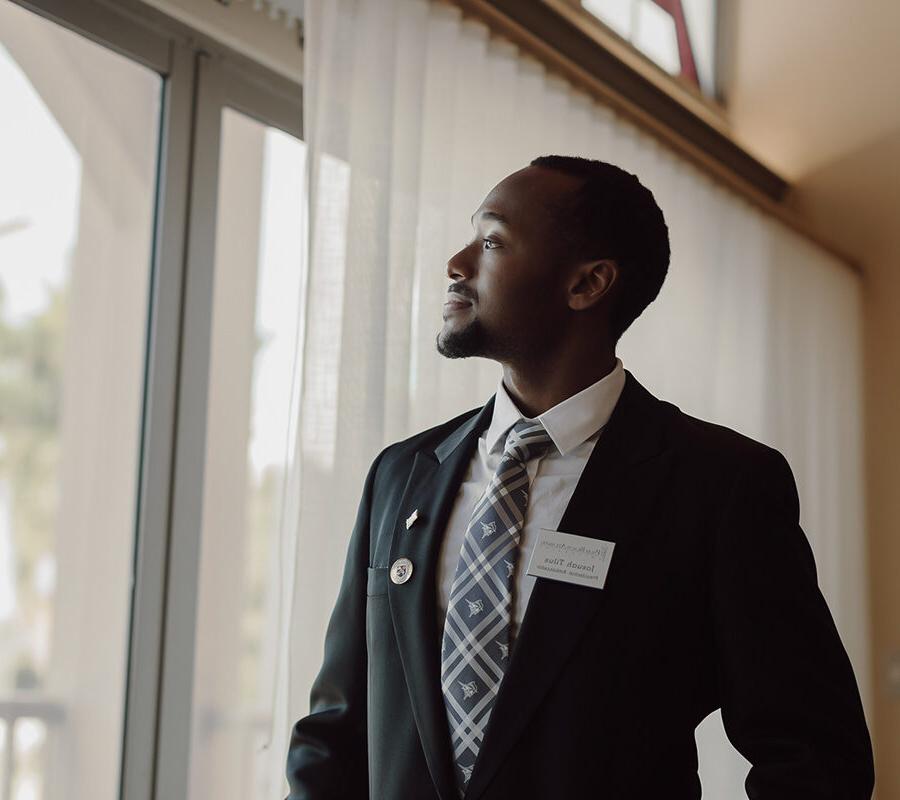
[412,114]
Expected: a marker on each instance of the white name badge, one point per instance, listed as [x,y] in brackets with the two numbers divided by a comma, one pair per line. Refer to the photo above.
[573,559]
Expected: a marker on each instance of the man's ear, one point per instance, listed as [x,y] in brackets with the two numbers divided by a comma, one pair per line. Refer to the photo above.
[592,281]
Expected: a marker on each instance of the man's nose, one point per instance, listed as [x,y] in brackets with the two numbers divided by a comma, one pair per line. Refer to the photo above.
[459,267]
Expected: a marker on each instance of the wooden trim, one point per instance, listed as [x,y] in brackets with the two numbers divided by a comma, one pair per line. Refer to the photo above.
[537,28]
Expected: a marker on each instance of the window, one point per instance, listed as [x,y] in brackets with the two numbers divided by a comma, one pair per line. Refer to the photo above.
[255,311]
[677,35]
[78,156]
[151,182]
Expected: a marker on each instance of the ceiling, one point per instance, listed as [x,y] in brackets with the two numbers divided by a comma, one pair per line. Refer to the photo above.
[813,94]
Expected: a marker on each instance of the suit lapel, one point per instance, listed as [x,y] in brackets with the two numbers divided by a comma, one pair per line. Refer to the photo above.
[611,502]
[431,489]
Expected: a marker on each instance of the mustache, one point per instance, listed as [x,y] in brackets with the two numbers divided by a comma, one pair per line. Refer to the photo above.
[461,289]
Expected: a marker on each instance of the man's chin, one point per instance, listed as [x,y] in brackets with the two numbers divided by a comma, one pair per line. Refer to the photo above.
[463,343]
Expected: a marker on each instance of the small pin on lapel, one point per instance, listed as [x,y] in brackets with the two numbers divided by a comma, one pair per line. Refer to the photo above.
[412,518]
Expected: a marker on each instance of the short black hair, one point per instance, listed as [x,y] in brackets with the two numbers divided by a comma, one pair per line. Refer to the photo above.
[613,215]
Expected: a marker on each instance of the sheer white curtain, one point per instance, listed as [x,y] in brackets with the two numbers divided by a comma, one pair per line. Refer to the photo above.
[412,114]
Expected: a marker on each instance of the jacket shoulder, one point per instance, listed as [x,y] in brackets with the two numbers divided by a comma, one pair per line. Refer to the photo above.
[720,447]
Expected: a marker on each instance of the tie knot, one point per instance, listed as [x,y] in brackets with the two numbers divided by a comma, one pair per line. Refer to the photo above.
[526,439]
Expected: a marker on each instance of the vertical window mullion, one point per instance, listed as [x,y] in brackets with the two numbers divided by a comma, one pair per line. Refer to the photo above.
[160,406]
[176,687]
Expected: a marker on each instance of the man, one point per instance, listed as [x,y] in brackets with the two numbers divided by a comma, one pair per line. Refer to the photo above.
[543,597]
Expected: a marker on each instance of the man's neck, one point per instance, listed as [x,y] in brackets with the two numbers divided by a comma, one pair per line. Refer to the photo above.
[537,387]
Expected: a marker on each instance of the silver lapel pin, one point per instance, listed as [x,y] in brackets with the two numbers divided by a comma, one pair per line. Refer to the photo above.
[412,518]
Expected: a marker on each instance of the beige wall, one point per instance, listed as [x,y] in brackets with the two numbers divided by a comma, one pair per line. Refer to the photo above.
[813,93]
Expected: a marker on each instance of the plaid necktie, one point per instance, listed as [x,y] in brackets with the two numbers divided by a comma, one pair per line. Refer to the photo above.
[475,647]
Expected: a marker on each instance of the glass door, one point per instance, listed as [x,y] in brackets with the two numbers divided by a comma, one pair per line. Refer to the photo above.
[255,315]
[79,145]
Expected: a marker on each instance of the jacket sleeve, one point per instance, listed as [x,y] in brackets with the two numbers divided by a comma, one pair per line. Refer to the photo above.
[789,698]
[327,755]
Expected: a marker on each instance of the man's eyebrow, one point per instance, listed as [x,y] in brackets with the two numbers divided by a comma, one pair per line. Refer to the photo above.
[492,215]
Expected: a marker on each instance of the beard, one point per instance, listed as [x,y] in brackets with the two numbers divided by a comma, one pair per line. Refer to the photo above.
[470,341]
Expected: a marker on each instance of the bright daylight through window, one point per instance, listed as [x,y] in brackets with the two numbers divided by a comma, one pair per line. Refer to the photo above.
[677,35]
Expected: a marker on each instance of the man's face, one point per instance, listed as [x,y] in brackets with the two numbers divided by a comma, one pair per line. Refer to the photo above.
[507,294]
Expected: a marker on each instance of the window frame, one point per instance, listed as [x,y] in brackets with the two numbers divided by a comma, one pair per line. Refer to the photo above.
[710,108]
[201,77]
[624,49]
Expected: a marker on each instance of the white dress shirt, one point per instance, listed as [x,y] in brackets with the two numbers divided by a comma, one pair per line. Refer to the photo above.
[574,425]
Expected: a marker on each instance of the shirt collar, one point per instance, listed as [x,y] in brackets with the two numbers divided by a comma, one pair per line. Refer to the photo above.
[569,423]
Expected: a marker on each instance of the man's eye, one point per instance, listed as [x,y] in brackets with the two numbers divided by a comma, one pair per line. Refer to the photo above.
[491,241]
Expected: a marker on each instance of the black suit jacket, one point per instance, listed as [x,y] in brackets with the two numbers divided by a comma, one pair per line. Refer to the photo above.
[711,601]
